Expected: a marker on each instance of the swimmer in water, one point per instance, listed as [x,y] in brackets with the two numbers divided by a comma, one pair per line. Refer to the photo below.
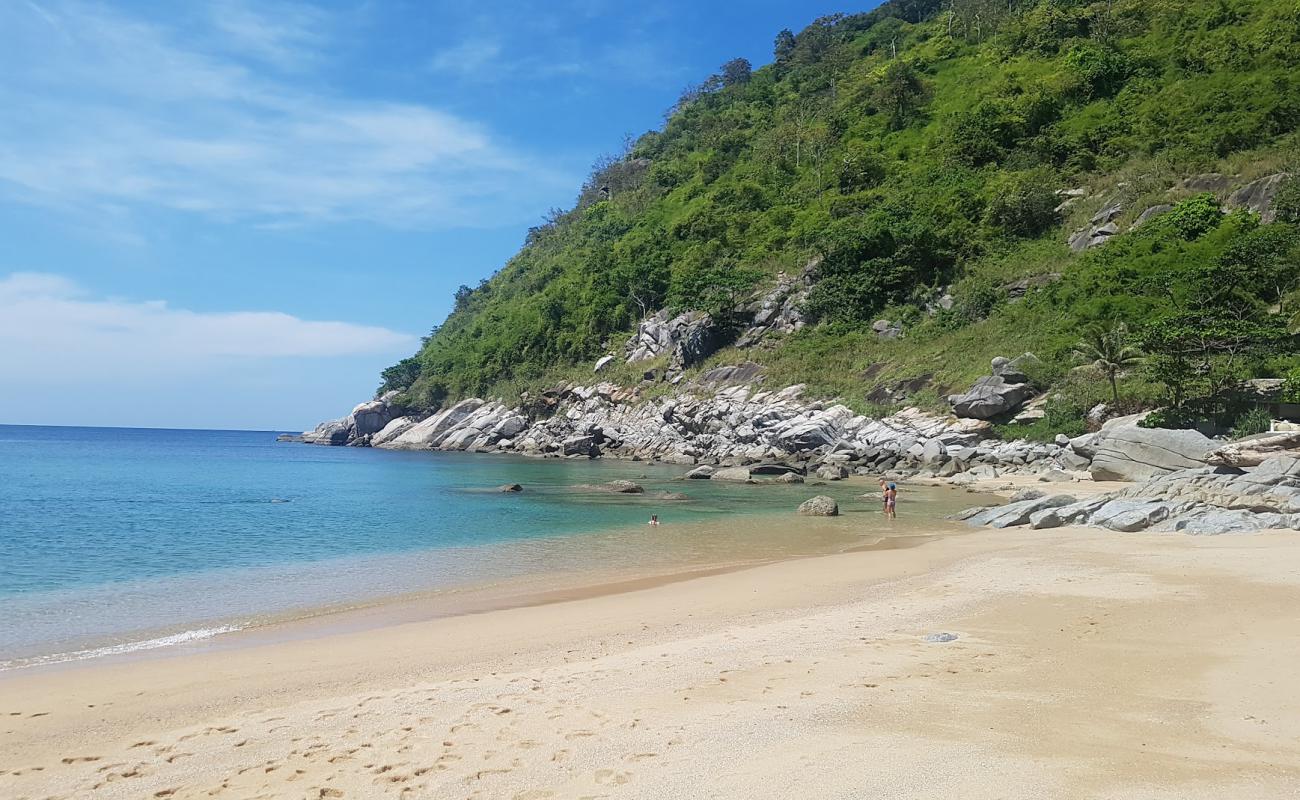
[654,520]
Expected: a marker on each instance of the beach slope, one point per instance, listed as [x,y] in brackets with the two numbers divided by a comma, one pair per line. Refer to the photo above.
[1085,664]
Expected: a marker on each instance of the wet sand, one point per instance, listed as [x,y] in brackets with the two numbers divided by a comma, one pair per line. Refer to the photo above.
[1086,664]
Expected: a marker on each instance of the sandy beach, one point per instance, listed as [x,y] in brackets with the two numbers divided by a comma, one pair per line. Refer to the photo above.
[1085,664]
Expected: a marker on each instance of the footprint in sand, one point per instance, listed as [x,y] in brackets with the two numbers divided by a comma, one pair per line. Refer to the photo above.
[609,777]
[80,759]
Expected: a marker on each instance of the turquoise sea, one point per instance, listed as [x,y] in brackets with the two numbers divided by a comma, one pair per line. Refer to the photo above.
[114,540]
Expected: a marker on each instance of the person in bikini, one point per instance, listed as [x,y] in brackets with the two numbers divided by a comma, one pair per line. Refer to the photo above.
[889,494]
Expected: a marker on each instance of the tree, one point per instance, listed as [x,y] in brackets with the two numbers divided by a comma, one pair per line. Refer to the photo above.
[735,72]
[400,376]
[1110,351]
[462,297]
[899,93]
[783,48]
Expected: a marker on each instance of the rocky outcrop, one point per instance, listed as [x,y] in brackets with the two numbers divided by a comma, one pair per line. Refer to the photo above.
[747,373]
[1258,196]
[780,310]
[357,428]
[1100,228]
[1201,500]
[1125,451]
[996,394]
[1150,213]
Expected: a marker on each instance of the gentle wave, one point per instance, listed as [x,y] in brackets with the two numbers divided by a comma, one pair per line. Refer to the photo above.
[184,637]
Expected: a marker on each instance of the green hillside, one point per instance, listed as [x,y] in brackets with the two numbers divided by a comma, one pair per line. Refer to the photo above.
[917,148]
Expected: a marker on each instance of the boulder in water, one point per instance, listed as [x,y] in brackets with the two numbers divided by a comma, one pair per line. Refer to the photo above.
[820,506]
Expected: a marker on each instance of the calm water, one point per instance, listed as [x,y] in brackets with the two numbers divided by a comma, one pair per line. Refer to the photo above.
[113,540]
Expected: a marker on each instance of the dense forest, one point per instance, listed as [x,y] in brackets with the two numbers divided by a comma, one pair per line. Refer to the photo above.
[938,149]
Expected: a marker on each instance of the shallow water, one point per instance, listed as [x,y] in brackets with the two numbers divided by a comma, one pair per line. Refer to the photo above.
[115,540]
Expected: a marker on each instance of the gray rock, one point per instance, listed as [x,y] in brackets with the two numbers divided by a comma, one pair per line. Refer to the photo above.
[1207,182]
[748,372]
[832,472]
[940,637]
[774,469]
[983,472]
[1128,453]
[1014,514]
[820,506]
[334,432]
[1149,214]
[887,329]
[617,487]
[934,453]
[1056,476]
[1107,214]
[990,397]
[697,341]
[1128,516]
[602,362]
[585,445]
[1027,494]
[1214,521]
[1068,459]
[702,472]
[1258,196]
[964,514]
[510,487]
[732,474]
[1018,289]
[788,477]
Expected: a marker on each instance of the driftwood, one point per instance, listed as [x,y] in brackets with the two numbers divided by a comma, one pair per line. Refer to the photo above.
[1249,452]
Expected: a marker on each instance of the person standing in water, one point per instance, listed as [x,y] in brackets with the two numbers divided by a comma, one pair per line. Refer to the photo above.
[889,494]
[654,520]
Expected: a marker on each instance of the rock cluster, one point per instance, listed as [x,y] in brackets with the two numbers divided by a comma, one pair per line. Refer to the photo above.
[687,338]
[359,427]
[738,433]
[779,310]
[1200,500]
[1100,228]
[1256,196]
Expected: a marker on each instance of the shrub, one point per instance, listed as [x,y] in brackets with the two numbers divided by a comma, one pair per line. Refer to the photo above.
[1195,216]
[1251,422]
[1023,203]
[1174,418]
[1286,204]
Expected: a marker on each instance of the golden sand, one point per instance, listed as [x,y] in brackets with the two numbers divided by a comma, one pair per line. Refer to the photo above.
[1086,664]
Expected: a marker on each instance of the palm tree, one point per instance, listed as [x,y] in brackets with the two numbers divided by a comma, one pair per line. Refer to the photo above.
[1110,352]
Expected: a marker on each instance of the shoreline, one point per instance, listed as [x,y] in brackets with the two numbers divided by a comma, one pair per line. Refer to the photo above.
[1085,664]
[489,592]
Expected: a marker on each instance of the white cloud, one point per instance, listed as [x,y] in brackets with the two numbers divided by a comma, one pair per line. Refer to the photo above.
[52,331]
[117,110]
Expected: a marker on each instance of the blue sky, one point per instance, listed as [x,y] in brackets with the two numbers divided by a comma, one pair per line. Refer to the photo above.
[234,213]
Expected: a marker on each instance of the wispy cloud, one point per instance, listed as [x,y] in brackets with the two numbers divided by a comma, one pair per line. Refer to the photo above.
[50,327]
[487,50]
[287,35]
[119,110]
